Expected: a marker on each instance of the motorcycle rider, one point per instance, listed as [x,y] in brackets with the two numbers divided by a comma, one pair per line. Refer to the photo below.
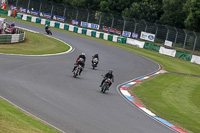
[83,57]
[95,56]
[47,28]
[81,62]
[108,75]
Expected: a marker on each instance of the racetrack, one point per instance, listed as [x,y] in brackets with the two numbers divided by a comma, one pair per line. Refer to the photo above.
[45,87]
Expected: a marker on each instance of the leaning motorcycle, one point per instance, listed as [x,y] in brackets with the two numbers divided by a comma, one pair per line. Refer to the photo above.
[49,31]
[106,85]
[77,71]
[94,63]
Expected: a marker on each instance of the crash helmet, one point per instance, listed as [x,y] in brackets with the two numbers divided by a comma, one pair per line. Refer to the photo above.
[110,71]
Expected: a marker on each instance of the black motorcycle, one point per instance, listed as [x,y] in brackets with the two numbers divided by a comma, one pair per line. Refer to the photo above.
[49,31]
[94,63]
[106,85]
[77,71]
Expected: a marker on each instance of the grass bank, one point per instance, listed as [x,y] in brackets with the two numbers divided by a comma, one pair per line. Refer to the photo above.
[35,44]
[12,120]
[172,97]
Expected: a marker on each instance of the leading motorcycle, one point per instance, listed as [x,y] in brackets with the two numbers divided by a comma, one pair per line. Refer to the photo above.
[106,85]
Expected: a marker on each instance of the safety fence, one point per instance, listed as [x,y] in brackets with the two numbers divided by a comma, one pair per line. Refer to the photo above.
[110,37]
[184,39]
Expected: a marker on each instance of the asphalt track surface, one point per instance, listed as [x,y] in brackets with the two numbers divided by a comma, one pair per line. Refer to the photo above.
[44,86]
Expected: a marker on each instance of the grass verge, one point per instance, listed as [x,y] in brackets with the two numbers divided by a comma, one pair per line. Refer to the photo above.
[35,44]
[12,120]
[173,97]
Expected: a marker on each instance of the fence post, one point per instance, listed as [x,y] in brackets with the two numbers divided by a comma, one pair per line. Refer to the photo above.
[156,30]
[124,23]
[112,21]
[100,20]
[40,6]
[16,2]
[176,36]
[145,26]
[167,32]
[28,4]
[64,11]
[135,25]
[185,39]
[76,13]
[88,15]
[195,41]
[52,7]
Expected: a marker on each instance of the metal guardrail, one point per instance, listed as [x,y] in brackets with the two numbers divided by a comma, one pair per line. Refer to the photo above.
[183,39]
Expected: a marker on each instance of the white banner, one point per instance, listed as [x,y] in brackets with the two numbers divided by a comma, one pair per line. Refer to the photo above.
[147,36]
[137,43]
[166,51]
[195,59]
[168,43]
[90,25]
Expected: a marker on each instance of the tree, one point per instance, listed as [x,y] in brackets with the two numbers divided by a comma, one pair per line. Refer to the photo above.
[192,9]
[114,6]
[173,13]
[145,9]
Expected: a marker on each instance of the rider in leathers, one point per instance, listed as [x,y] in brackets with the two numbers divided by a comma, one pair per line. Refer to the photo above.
[81,62]
[83,57]
[108,75]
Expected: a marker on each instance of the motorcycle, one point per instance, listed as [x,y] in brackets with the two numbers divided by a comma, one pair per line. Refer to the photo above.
[77,71]
[106,85]
[49,31]
[94,63]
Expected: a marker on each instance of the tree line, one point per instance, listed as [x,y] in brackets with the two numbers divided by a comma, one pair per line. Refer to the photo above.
[177,13]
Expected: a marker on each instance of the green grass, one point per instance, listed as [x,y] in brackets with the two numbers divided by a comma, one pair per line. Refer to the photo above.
[12,120]
[35,44]
[174,97]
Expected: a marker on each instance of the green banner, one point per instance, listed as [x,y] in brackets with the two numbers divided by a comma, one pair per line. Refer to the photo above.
[151,47]
[183,55]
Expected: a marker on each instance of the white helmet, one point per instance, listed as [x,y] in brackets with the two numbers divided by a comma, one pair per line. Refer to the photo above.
[83,54]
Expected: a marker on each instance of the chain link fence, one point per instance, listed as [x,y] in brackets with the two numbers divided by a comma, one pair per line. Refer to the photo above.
[182,39]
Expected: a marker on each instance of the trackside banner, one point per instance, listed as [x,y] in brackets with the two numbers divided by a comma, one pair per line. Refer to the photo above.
[126,34]
[147,36]
[32,12]
[23,10]
[45,15]
[90,25]
[84,24]
[12,7]
[59,18]
[75,22]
